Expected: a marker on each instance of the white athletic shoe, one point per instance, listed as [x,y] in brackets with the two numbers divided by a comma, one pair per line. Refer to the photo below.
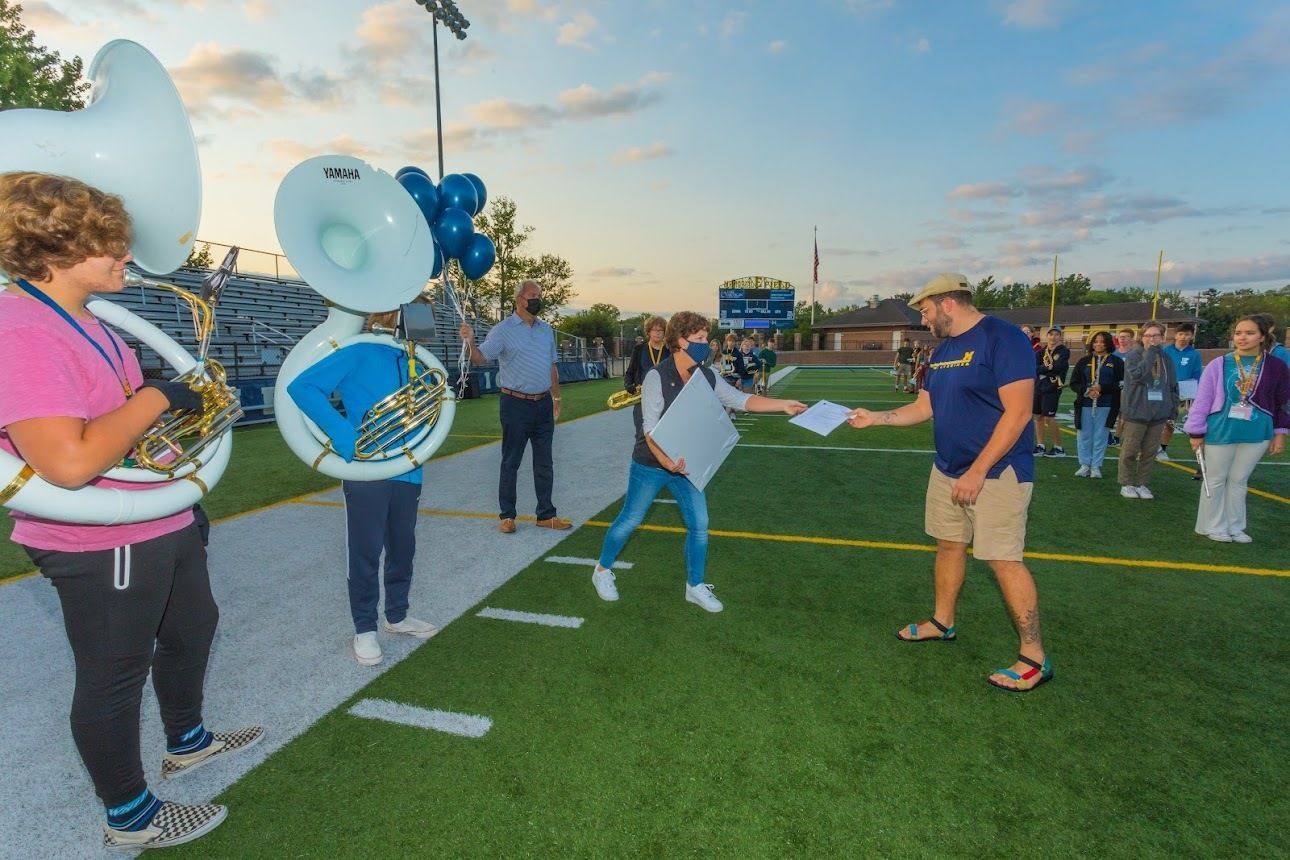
[1095,472]
[411,627]
[1163,456]
[1082,472]
[1242,537]
[1144,493]
[1129,492]
[367,649]
[1220,537]
[703,596]
[604,582]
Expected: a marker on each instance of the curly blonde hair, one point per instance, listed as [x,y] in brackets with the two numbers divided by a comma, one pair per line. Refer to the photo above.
[655,322]
[682,325]
[49,222]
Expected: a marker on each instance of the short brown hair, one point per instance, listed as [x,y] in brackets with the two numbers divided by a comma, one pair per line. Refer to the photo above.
[682,325]
[655,322]
[49,222]
[1154,324]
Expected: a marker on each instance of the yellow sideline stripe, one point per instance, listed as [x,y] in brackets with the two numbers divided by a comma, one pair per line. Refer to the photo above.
[1190,471]
[1046,556]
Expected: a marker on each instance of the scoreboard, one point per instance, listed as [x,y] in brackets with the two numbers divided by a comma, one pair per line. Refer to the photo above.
[756,303]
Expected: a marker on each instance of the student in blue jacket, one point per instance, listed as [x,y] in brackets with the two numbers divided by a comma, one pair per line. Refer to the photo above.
[379,515]
[1187,365]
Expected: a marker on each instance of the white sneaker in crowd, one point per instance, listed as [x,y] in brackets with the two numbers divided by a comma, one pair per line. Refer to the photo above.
[1144,493]
[367,649]
[1220,537]
[1242,537]
[411,627]
[1129,492]
[1163,456]
[703,596]
[604,582]
[1082,472]
[1095,472]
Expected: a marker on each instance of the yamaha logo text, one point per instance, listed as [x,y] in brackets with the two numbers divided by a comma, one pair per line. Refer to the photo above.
[343,173]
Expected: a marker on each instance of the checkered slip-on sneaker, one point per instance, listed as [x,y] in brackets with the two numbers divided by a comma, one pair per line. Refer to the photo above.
[173,765]
[174,824]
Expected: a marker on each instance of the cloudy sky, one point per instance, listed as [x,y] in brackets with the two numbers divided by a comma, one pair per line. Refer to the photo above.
[664,147]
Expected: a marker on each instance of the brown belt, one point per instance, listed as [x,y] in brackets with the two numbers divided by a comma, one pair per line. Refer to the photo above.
[522,396]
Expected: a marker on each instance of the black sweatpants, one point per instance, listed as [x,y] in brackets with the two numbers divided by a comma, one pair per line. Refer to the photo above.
[127,610]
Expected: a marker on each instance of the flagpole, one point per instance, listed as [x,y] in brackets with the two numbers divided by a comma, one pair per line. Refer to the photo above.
[1155,299]
[815,273]
[1052,305]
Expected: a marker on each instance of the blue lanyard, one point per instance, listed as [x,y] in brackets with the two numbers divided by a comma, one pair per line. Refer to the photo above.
[38,294]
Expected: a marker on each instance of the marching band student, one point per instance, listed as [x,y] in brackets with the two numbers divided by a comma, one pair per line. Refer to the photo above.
[137,597]
[379,515]
[646,354]
[1239,413]
[1096,381]
[1051,364]
[750,366]
[651,470]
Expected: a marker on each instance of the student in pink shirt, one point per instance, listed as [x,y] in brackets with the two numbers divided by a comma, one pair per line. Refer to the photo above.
[135,598]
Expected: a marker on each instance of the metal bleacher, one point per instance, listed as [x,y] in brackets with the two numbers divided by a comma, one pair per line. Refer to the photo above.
[259,318]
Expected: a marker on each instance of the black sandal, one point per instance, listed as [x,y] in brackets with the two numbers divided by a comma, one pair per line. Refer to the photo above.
[947,633]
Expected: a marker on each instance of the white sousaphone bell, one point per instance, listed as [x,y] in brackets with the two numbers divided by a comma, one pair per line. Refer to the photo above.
[356,237]
[133,140]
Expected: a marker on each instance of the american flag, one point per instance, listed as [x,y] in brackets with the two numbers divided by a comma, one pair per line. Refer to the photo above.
[816,272]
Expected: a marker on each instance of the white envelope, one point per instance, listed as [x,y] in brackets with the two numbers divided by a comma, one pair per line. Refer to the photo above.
[697,428]
[1188,389]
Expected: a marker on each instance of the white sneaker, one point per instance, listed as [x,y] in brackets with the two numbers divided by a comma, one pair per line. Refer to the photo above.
[1163,456]
[367,650]
[1082,472]
[604,582]
[1095,472]
[411,627]
[703,596]
[1144,493]
[1242,537]
[1220,537]
[1129,492]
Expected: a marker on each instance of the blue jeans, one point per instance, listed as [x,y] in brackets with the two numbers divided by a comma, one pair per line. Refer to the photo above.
[525,422]
[643,484]
[1092,436]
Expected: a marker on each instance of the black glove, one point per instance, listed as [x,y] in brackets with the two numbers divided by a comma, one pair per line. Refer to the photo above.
[631,389]
[177,394]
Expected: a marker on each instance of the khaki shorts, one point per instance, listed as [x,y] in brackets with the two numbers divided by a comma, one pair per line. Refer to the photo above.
[995,525]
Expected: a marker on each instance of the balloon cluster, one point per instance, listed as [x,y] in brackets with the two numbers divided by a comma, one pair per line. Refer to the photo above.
[450,210]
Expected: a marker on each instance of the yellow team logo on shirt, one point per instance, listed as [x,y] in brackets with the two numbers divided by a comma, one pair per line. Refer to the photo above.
[958,362]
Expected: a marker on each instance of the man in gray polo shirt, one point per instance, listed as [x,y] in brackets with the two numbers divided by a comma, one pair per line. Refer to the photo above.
[524,347]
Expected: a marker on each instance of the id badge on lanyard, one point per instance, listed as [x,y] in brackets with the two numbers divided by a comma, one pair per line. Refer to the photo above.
[1155,393]
[1241,412]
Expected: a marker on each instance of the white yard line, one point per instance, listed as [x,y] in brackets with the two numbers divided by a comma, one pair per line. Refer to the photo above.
[464,725]
[583,562]
[530,617]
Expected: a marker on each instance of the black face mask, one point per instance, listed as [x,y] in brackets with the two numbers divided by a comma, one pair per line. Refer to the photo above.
[533,306]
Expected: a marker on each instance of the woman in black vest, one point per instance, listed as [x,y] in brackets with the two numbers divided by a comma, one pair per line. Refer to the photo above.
[646,355]
[652,470]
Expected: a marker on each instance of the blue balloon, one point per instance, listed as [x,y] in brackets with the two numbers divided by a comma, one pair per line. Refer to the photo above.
[453,230]
[438,261]
[411,168]
[423,192]
[479,257]
[458,192]
[480,191]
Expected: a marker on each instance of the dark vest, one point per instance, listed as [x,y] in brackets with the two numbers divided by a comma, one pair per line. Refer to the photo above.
[672,385]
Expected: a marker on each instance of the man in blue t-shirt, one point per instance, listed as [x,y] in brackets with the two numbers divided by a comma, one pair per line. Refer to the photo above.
[1187,366]
[980,383]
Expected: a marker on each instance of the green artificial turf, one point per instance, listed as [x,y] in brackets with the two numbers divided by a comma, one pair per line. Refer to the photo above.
[263,470]
[794,723]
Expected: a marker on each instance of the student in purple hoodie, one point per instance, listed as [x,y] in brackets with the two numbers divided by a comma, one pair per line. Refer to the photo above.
[1239,413]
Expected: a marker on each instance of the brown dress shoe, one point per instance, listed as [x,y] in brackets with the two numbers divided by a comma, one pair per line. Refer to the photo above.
[507,526]
[555,523]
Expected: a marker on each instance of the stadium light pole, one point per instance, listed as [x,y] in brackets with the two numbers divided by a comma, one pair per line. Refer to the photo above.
[442,12]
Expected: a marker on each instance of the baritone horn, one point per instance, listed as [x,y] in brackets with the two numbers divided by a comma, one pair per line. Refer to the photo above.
[133,140]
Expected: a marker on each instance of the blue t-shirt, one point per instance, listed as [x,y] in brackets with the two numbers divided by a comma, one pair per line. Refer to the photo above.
[362,374]
[963,379]
[1187,362]
[1221,428]
[1282,353]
